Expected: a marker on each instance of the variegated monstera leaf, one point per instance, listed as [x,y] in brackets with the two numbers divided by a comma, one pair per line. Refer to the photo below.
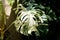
[27,21]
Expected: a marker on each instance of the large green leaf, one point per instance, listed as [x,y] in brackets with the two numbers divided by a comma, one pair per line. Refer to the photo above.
[28,21]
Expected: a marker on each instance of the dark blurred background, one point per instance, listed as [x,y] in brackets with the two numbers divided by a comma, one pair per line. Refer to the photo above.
[54,27]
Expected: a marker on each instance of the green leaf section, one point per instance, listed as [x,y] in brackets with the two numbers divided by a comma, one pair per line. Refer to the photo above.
[1,12]
[11,2]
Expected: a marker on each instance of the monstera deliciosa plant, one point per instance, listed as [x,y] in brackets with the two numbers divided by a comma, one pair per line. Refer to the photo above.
[33,17]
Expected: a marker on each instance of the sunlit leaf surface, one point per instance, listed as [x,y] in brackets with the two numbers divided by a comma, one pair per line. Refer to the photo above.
[30,20]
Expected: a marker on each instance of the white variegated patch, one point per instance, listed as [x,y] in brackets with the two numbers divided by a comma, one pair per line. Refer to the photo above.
[27,21]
